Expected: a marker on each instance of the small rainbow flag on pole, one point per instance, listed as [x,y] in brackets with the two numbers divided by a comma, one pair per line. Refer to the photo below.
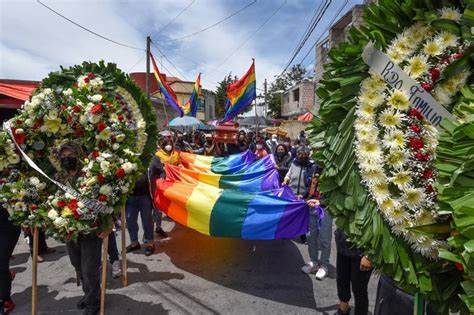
[240,94]
[165,89]
[191,106]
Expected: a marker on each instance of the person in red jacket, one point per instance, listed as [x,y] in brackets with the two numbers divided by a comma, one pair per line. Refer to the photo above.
[260,151]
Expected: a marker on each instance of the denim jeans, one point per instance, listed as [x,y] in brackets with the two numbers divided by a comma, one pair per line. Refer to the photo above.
[157,217]
[113,251]
[319,239]
[142,205]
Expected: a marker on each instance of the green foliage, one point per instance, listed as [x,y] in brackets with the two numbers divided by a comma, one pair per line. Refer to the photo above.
[332,138]
[221,94]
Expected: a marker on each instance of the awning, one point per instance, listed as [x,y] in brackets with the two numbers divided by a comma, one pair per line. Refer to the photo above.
[17,91]
[306,117]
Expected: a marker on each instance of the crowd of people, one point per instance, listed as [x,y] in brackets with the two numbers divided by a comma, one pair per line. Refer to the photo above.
[296,170]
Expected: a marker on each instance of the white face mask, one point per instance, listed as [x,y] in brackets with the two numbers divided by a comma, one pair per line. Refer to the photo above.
[259,146]
[168,147]
[274,139]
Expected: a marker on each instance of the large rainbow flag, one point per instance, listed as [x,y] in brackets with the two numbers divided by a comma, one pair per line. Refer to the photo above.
[245,202]
[240,94]
[165,89]
[191,106]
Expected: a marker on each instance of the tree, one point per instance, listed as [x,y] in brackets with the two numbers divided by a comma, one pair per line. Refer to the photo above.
[282,83]
[221,94]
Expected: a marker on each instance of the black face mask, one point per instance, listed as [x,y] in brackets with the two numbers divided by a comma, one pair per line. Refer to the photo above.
[280,154]
[69,163]
[303,160]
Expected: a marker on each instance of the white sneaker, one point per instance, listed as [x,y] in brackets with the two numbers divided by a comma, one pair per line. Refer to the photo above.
[309,267]
[116,269]
[321,273]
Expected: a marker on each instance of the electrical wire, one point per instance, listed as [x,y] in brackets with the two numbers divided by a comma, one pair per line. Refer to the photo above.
[88,30]
[326,5]
[253,33]
[215,24]
[341,8]
[173,19]
[136,63]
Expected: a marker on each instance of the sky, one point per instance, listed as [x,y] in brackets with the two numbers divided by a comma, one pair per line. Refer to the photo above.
[35,41]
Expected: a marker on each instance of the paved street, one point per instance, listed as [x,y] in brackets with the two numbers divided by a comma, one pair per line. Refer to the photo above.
[190,274]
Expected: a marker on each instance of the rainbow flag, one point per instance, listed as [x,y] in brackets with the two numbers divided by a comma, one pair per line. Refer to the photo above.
[191,106]
[248,180]
[165,89]
[219,165]
[233,213]
[240,94]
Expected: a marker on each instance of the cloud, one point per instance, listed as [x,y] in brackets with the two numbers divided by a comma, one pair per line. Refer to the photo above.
[35,41]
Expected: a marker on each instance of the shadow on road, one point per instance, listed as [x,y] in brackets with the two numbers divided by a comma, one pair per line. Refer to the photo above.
[266,269]
[49,304]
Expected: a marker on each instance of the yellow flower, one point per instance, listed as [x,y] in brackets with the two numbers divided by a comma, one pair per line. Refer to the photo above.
[394,139]
[66,212]
[105,134]
[448,39]
[396,159]
[402,179]
[432,48]
[417,65]
[395,54]
[398,100]
[413,197]
[52,122]
[389,119]
[381,192]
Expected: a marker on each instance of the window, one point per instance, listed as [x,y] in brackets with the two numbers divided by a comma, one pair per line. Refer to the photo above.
[296,95]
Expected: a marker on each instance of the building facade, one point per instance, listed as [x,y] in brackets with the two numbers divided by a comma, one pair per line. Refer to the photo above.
[298,100]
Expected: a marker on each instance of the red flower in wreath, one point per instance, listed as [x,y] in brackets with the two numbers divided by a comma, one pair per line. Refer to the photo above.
[33,207]
[76,109]
[103,198]
[91,75]
[72,204]
[97,109]
[413,112]
[415,128]
[428,173]
[120,173]
[459,266]
[422,156]
[95,154]
[101,126]
[435,74]
[19,138]
[61,204]
[426,86]
[100,178]
[416,143]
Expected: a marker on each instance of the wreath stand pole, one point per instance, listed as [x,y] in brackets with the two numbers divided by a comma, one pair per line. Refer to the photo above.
[124,249]
[34,277]
[105,249]
[418,304]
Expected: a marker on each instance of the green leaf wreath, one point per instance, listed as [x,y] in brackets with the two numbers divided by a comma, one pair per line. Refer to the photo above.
[400,190]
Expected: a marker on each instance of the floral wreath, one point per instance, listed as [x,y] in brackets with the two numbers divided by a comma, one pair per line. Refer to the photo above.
[97,108]
[397,186]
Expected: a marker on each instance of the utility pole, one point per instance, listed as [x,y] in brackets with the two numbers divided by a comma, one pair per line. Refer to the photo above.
[265,97]
[148,42]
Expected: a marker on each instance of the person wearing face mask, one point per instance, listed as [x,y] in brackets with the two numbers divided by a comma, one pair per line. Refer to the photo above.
[272,143]
[282,160]
[211,147]
[242,143]
[85,252]
[167,153]
[260,151]
[303,178]
[181,144]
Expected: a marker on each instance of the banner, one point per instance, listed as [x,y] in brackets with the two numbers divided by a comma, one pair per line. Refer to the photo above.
[398,79]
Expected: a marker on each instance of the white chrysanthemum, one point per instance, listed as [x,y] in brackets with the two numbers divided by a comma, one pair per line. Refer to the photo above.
[395,55]
[402,179]
[370,164]
[448,39]
[424,217]
[413,197]
[442,96]
[417,65]
[366,110]
[399,100]
[398,217]
[373,177]
[105,134]
[390,119]
[367,134]
[363,123]
[450,14]
[388,205]
[368,149]
[424,245]
[373,83]
[53,214]
[67,92]
[396,159]
[380,191]
[105,190]
[403,44]
[394,139]
[433,48]
[371,97]
[60,222]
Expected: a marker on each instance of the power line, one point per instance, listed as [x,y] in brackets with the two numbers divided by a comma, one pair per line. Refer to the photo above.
[320,16]
[136,63]
[253,34]
[171,63]
[327,28]
[215,24]
[86,29]
[173,19]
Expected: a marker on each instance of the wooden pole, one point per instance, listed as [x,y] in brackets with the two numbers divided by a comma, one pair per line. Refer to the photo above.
[147,80]
[124,249]
[34,277]
[105,249]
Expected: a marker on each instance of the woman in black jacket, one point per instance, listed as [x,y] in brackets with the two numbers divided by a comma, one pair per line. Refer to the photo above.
[283,160]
